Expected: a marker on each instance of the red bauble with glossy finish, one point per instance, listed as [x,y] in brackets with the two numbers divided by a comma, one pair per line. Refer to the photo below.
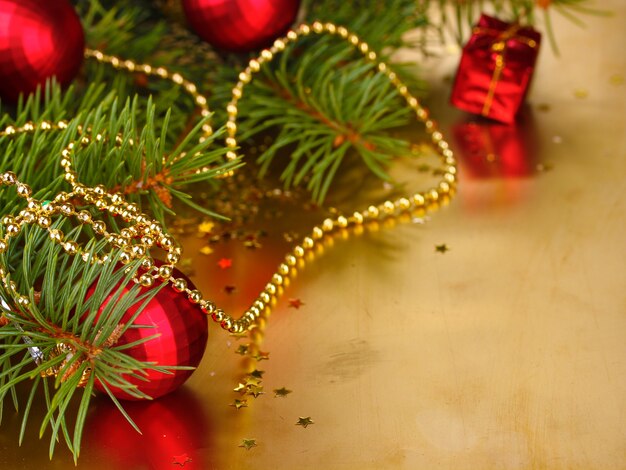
[183,332]
[240,25]
[39,39]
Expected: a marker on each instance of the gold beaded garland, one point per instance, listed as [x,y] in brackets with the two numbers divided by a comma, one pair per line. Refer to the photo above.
[144,233]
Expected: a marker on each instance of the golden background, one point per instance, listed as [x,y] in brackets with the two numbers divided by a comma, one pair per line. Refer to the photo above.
[506,352]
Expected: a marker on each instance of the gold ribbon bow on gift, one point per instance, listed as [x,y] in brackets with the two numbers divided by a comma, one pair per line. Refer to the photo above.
[499,47]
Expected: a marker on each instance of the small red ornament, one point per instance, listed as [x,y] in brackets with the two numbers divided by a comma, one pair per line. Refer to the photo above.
[240,25]
[38,40]
[183,332]
[496,68]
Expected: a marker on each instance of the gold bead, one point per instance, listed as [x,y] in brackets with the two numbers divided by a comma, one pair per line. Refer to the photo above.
[147,263]
[3,245]
[328,225]
[388,207]
[56,235]
[146,280]
[418,200]
[283,269]
[166,242]
[125,257]
[277,279]
[84,217]
[12,230]
[99,227]
[23,190]
[207,306]
[357,217]
[308,243]
[298,251]
[173,258]
[23,301]
[28,216]
[270,289]
[227,323]
[44,221]
[67,209]
[372,211]
[165,271]
[265,297]
[403,203]
[317,233]
[195,296]
[70,247]
[342,221]
[179,284]
[138,250]
[218,315]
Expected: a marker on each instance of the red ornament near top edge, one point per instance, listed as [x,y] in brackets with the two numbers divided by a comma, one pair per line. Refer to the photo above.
[38,40]
[240,25]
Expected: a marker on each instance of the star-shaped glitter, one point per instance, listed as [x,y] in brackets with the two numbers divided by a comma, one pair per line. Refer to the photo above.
[441,248]
[252,381]
[295,303]
[241,334]
[206,227]
[181,459]
[257,373]
[239,404]
[225,263]
[248,443]
[281,392]
[241,388]
[206,250]
[255,390]
[262,356]
[242,349]
[229,289]
[304,422]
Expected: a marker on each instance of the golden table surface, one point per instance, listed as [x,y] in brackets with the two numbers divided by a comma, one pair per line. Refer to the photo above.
[506,352]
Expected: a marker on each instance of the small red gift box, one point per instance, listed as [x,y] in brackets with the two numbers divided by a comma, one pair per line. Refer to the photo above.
[496,67]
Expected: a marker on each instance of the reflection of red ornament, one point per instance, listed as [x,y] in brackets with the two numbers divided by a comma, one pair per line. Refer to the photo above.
[170,427]
[240,25]
[38,40]
[492,150]
[183,331]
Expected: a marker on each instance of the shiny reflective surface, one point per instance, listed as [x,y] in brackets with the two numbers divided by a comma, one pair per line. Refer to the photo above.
[505,352]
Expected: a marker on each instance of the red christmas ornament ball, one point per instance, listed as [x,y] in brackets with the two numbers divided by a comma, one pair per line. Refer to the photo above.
[183,332]
[240,25]
[38,40]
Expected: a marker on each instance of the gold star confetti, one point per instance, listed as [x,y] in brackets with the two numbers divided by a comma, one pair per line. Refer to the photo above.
[242,349]
[181,459]
[248,443]
[544,107]
[281,392]
[581,93]
[617,79]
[206,227]
[295,303]
[206,250]
[229,289]
[255,390]
[304,422]
[257,373]
[250,381]
[240,388]
[441,248]
[262,356]
[239,404]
